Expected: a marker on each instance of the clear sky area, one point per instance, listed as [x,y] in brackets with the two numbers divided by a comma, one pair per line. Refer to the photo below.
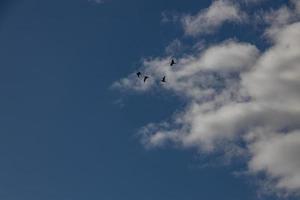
[77,123]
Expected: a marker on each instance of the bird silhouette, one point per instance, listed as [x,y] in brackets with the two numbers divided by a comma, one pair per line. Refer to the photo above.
[145,78]
[139,74]
[172,62]
[163,79]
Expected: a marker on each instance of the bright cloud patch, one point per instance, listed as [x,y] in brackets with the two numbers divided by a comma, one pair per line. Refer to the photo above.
[210,19]
[278,155]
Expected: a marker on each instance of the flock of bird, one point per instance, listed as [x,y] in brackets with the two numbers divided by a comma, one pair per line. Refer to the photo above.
[140,75]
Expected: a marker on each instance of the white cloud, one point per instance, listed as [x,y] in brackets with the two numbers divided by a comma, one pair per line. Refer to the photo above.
[236,94]
[210,19]
[276,78]
[278,155]
[229,56]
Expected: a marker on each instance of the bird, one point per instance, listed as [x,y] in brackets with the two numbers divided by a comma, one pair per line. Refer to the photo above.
[145,78]
[139,74]
[163,79]
[172,62]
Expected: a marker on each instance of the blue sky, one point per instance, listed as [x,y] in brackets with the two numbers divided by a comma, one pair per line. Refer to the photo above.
[71,130]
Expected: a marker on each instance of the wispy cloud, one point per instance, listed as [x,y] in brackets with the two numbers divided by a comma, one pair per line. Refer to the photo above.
[97,1]
[279,18]
[210,19]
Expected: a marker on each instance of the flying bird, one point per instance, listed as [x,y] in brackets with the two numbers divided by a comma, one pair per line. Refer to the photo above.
[145,78]
[172,62]
[139,74]
[163,79]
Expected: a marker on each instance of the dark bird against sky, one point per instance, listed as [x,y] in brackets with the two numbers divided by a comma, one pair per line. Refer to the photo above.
[145,78]
[172,62]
